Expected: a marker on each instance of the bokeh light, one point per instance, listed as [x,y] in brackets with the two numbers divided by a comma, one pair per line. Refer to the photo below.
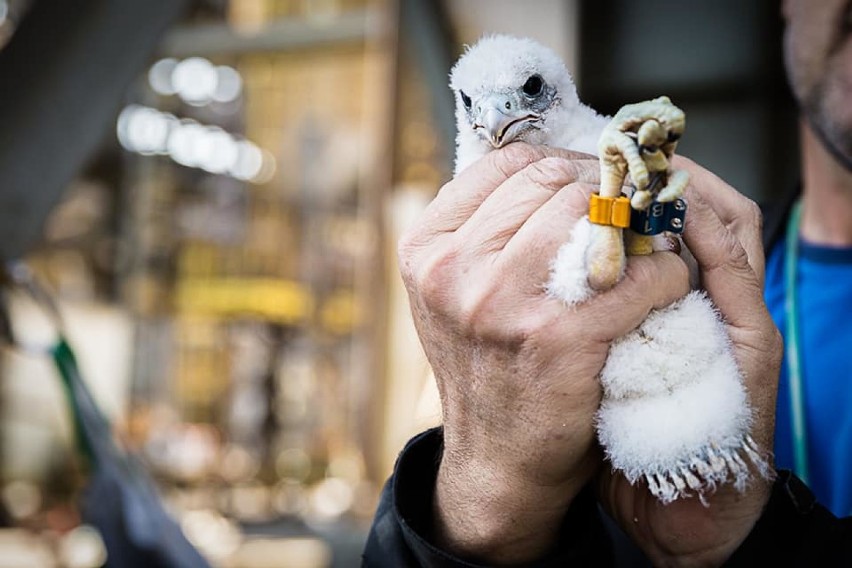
[149,132]
[228,86]
[195,80]
[82,547]
[160,76]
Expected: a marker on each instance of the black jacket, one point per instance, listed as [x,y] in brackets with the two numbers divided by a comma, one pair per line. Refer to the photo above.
[793,531]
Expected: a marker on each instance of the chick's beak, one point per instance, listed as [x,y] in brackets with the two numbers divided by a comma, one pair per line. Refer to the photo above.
[496,114]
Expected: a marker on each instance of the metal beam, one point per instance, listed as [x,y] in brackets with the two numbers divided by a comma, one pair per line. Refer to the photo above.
[64,74]
[427,30]
[281,35]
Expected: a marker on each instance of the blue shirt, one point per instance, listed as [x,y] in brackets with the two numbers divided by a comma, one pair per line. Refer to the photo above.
[824,276]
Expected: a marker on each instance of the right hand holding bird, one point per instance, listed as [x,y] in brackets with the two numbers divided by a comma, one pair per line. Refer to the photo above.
[516,369]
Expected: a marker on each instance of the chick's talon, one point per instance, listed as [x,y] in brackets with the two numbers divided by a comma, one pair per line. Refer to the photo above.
[675,188]
[640,140]
[652,133]
[641,200]
[656,161]
[661,110]
[619,156]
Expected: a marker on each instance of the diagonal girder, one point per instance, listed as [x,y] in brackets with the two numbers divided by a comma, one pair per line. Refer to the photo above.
[62,79]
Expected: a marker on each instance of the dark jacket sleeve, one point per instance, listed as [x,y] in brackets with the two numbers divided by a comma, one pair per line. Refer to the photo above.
[793,531]
[400,535]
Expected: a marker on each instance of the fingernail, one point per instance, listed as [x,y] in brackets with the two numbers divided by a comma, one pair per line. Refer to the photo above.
[673,244]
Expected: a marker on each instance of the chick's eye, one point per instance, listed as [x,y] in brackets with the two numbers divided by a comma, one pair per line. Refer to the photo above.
[465,99]
[533,86]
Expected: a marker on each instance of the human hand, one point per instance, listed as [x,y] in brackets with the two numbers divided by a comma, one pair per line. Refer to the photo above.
[723,233]
[516,369]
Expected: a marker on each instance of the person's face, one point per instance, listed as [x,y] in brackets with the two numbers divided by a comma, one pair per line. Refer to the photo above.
[818,54]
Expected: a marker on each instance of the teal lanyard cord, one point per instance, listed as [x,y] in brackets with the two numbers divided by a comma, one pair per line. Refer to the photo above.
[794,342]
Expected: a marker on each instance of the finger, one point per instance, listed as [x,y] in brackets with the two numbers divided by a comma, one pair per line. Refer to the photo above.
[462,196]
[533,248]
[736,212]
[724,265]
[509,207]
[650,282]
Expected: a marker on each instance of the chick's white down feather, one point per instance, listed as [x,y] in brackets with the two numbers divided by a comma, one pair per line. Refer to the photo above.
[674,412]
[501,64]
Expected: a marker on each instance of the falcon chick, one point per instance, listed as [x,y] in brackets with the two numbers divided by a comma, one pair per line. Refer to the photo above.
[510,89]
[674,412]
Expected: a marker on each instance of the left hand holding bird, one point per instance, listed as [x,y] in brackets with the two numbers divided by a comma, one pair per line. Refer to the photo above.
[724,235]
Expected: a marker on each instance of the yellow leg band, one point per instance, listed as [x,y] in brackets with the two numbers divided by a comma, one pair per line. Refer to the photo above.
[614,211]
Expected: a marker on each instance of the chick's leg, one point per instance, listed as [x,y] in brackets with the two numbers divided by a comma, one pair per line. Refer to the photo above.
[605,258]
[640,140]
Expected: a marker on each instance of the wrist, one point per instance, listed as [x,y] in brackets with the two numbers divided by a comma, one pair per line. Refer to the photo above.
[494,513]
[725,524]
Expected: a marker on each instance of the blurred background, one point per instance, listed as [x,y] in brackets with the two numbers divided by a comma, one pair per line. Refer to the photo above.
[213,190]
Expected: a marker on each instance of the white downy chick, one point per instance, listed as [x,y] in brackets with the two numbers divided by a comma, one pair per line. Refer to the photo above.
[510,89]
[675,412]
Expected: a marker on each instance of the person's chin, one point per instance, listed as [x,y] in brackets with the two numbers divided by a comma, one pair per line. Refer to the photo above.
[831,119]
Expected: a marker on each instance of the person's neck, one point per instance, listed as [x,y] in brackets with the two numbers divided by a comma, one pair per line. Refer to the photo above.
[826,195]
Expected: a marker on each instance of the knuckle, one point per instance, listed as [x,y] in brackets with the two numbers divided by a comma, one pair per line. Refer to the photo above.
[769,343]
[754,215]
[776,344]
[531,329]
[482,315]
[679,269]
[737,255]
[513,158]
[432,278]
[551,173]
[728,252]
[406,249]
[665,271]
[775,340]
[641,274]
[487,313]
[432,294]
[473,312]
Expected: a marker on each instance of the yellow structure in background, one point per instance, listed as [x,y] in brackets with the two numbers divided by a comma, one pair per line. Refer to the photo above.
[280,301]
